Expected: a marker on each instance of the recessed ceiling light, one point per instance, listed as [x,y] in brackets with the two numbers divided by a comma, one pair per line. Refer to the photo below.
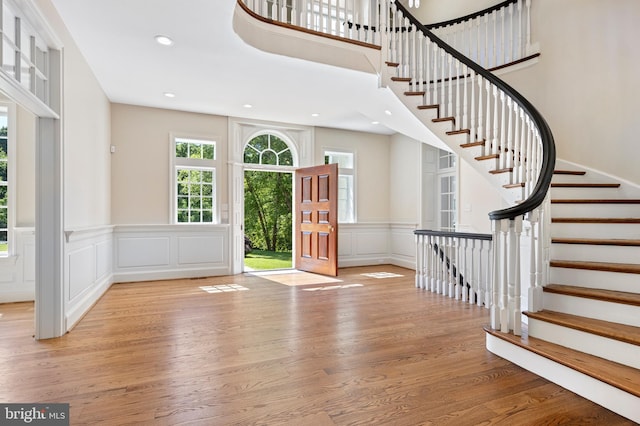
[315,114]
[386,111]
[164,40]
[375,122]
[170,95]
[247,106]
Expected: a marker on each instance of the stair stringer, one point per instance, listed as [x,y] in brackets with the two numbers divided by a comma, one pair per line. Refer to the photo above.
[601,393]
[510,195]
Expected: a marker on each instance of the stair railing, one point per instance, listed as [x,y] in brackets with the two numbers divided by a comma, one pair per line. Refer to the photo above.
[455,264]
[501,123]
[507,128]
[493,37]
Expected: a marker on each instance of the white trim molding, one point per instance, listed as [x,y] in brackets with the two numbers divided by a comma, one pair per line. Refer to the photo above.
[153,252]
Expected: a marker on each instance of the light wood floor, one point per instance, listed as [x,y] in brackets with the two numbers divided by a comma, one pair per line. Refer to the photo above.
[168,353]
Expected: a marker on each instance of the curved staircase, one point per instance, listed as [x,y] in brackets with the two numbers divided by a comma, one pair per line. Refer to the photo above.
[587,337]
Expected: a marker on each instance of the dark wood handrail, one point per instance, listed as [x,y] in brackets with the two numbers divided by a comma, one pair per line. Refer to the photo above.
[471,15]
[548,145]
[467,235]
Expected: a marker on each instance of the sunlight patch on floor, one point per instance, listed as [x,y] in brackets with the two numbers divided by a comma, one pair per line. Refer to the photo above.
[382,275]
[295,278]
[223,288]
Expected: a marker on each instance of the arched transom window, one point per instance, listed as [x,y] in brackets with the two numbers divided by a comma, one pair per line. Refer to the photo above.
[268,149]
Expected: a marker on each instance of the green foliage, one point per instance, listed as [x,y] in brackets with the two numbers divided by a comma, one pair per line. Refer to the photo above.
[261,260]
[268,210]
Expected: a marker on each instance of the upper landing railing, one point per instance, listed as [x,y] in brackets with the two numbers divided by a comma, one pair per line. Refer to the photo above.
[503,124]
[494,37]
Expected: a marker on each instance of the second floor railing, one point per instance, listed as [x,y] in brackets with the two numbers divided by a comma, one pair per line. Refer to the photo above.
[492,37]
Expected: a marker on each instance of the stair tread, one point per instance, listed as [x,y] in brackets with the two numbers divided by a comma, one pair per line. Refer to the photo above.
[458,132]
[597,241]
[472,144]
[595,293]
[595,220]
[514,185]
[629,268]
[434,106]
[569,172]
[585,185]
[498,171]
[416,93]
[617,375]
[442,119]
[597,201]
[612,330]
[392,64]
[401,79]
[487,157]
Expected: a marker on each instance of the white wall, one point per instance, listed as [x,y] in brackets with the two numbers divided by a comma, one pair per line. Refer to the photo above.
[585,83]
[372,168]
[140,165]
[404,178]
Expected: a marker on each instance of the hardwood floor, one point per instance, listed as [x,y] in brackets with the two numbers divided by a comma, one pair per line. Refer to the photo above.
[169,352]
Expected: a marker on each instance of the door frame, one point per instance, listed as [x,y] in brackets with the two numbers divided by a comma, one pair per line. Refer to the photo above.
[300,140]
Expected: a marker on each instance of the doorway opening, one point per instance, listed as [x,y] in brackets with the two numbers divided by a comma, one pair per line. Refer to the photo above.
[268,219]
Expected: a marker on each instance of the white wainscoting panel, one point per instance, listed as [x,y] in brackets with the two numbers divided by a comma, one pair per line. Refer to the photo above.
[142,251]
[193,250]
[17,272]
[403,245]
[88,265]
[362,244]
[155,252]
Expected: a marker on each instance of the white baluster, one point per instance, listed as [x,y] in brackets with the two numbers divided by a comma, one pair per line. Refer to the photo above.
[494,52]
[458,276]
[465,270]
[495,276]
[475,132]
[487,54]
[511,57]
[473,284]
[419,259]
[458,113]
[480,134]
[517,148]
[495,141]
[465,123]
[509,148]
[450,260]
[503,122]
[414,54]
[489,283]
[515,301]
[420,42]
[504,277]
[427,74]
[503,38]
[450,111]
[480,295]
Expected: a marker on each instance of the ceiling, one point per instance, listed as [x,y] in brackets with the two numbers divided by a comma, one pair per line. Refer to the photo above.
[211,70]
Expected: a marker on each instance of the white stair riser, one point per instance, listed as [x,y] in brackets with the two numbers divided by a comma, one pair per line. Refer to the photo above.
[613,350]
[610,397]
[591,308]
[595,279]
[596,230]
[582,193]
[595,210]
[596,253]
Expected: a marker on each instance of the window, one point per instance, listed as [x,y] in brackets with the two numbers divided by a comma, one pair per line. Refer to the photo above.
[346,173]
[269,150]
[447,190]
[4,183]
[194,175]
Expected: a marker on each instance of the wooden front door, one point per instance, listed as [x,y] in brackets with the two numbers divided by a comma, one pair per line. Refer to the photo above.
[317,219]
